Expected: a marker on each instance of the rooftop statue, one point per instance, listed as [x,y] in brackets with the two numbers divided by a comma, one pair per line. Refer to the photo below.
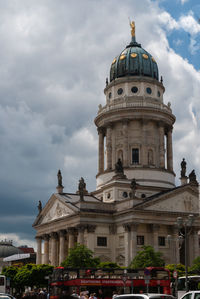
[39,207]
[192,178]
[133,187]
[59,175]
[132,25]
[119,166]
[183,168]
[81,188]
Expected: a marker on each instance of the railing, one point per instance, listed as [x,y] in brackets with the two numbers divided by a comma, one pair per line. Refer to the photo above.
[135,104]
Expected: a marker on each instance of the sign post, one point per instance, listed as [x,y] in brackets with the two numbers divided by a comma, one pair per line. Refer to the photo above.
[124,278]
[147,278]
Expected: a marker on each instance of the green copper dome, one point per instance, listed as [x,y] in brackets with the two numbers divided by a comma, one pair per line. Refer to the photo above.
[134,61]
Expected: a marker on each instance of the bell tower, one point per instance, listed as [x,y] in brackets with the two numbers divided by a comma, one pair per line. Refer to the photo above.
[135,126]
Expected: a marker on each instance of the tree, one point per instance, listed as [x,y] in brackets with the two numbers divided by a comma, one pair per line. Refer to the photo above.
[29,275]
[10,272]
[80,256]
[147,257]
[109,265]
[195,268]
[180,268]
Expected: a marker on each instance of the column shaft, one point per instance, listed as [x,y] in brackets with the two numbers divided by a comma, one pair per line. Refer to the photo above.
[54,249]
[81,230]
[39,250]
[133,241]
[126,244]
[196,244]
[71,233]
[46,249]
[162,147]
[155,236]
[62,246]
[109,147]
[101,150]
[125,144]
[169,151]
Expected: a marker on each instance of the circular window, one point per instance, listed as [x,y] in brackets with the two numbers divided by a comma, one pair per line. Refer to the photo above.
[143,195]
[158,93]
[148,90]
[125,194]
[120,91]
[110,95]
[134,89]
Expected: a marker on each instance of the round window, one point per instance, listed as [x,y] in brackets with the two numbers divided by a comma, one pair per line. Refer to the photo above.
[158,93]
[120,91]
[134,89]
[125,194]
[110,95]
[148,90]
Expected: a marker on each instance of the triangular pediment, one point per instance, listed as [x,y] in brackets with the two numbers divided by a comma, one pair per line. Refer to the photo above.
[56,208]
[57,211]
[181,201]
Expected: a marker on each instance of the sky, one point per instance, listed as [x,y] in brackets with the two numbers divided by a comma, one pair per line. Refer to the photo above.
[55,56]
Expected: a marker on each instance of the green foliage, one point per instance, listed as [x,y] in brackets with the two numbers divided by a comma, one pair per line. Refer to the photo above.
[147,257]
[180,268]
[29,275]
[10,272]
[108,265]
[80,256]
[195,268]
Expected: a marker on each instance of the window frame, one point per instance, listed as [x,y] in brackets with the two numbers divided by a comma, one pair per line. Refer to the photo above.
[102,238]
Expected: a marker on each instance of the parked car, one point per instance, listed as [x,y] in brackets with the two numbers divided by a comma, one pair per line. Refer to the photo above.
[6,296]
[191,295]
[145,296]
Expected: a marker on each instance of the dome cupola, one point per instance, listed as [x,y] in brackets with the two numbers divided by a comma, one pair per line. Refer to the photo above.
[134,61]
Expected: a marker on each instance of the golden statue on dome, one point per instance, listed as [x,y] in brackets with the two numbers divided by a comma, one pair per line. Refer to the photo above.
[132,25]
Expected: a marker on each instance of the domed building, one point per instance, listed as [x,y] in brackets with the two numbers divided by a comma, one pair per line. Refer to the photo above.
[7,249]
[136,201]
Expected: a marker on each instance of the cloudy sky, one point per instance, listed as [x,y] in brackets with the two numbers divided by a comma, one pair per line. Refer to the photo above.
[55,56]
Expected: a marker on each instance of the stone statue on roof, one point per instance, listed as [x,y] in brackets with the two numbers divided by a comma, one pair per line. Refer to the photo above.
[81,188]
[119,166]
[192,178]
[133,187]
[59,175]
[183,168]
[39,207]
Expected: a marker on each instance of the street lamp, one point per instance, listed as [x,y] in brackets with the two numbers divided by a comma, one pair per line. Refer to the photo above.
[186,226]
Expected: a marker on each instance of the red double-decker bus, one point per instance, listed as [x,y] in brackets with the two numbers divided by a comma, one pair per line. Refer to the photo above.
[151,280]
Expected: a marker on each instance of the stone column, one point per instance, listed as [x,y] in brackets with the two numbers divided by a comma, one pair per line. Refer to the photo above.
[196,243]
[144,150]
[125,144]
[62,246]
[54,249]
[175,254]
[39,250]
[81,229]
[112,231]
[71,233]
[46,249]
[109,147]
[169,151]
[127,229]
[162,147]
[155,236]
[133,241]
[91,236]
[101,150]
